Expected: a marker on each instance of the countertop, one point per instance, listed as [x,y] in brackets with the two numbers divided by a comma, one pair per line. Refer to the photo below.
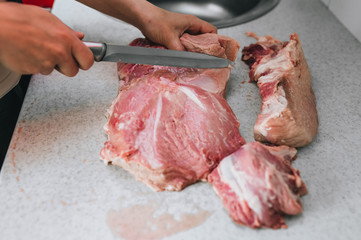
[54,186]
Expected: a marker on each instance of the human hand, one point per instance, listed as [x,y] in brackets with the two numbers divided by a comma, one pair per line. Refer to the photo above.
[166,27]
[160,26]
[32,40]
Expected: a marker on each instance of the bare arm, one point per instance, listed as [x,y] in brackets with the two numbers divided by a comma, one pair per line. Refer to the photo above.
[32,40]
[158,25]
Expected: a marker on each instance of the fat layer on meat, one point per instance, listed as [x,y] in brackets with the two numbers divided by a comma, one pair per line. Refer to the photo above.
[212,80]
[257,185]
[288,114]
[171,126]
[168,134]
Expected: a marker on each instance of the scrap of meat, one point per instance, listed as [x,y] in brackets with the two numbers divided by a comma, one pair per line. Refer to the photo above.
[169,134]
[212,80]
[257,184]
[288,115]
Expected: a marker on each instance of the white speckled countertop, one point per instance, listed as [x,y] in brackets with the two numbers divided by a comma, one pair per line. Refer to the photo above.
[53,185]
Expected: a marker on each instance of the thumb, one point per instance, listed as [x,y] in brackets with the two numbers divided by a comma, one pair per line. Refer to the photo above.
[175,44]
[80,35]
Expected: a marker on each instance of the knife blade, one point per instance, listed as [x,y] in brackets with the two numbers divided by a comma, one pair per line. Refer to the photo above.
[155,56]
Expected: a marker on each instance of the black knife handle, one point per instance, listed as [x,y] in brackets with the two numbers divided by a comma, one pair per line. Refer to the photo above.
[98,49]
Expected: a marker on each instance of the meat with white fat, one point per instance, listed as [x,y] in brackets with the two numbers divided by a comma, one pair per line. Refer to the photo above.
[171,126]
[212,80]
[257,185]
[288,114]
[168,134]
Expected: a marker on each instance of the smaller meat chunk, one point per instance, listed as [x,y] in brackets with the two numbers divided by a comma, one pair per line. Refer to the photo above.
[168,134]
[212,80]
[257,184]
[288,114]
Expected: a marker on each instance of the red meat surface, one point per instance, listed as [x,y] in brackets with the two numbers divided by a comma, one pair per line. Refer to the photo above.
[257,185]
[168,134]
[212,80]
[288,114]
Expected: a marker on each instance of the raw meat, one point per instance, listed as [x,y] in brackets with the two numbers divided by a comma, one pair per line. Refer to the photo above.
[257,184]
[288,115]
[212,80]
[169,134]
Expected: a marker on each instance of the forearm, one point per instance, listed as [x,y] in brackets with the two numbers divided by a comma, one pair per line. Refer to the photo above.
[135,12]
[158,25]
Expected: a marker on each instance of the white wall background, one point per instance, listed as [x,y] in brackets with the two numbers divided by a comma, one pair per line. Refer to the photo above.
[348,12]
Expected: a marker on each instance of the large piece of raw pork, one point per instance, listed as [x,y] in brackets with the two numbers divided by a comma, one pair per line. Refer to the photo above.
[257,184]
[288,115]
[171,126]
[168,134]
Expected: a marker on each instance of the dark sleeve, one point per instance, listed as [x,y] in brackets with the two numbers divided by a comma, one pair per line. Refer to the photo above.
[18,1]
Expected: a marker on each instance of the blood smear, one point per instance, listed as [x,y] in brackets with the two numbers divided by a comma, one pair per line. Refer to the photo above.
[139,222]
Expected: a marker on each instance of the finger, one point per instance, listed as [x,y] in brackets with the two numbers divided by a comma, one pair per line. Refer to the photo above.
[206,27]
[210,28]
[47,71]
[82,54]
[80,35]
[202,28]
[46,66]
[199,26]
[174,43]
[69,67]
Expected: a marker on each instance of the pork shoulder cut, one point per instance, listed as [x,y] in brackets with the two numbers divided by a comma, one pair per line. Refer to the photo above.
[168,134]
[212,80]
[257,184]
[288,114]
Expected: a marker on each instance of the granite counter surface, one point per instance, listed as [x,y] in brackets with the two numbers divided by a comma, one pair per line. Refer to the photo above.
[54,186]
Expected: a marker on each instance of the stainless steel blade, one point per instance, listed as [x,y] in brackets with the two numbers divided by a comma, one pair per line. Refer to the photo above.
[163,57]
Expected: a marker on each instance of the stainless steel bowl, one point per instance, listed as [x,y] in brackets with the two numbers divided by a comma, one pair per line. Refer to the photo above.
[221,13]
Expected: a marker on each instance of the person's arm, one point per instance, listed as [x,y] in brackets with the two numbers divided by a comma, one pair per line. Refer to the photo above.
[157,24]
[32,40]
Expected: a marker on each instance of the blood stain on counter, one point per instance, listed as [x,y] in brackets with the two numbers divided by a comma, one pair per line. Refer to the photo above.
[68,203]
[13,161]
[14,148]
[139,222]
[19,131]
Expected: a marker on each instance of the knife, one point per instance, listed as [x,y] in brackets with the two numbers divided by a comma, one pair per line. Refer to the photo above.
[155,56]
